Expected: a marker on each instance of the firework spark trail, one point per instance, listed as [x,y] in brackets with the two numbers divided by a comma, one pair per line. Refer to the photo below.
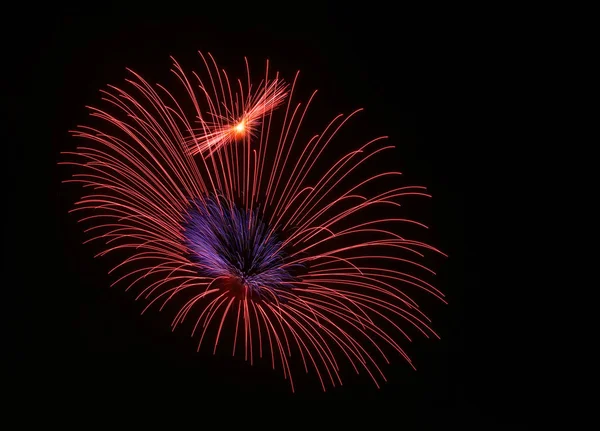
[206,212]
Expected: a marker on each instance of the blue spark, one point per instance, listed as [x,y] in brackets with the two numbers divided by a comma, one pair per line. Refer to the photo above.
[229,242]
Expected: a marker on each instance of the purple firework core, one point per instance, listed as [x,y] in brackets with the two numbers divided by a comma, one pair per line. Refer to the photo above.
[236,245]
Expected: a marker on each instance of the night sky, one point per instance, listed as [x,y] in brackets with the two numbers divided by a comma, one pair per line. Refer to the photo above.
[425,81]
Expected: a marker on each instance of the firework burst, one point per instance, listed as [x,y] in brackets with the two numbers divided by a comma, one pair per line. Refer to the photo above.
[216,213]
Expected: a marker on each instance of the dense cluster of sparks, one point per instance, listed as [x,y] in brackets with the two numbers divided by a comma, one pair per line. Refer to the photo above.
[226,124]
[233,244]
[216,214]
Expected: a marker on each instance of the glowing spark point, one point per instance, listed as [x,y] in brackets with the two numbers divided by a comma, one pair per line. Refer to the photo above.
[240,127]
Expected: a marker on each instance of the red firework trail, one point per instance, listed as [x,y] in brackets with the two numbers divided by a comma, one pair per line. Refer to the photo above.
[217,210]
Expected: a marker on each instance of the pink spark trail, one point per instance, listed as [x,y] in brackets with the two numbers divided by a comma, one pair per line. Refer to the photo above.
[217,211]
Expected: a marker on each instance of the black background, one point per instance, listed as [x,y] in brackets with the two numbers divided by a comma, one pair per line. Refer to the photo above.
[429,79]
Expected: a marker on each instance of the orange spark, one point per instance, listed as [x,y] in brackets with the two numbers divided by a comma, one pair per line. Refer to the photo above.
[231,127]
